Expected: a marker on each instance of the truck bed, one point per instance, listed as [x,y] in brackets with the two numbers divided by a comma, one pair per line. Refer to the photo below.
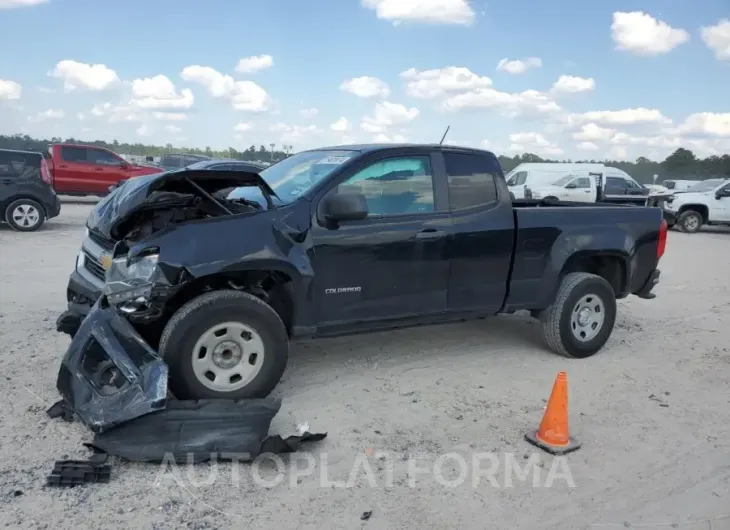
[550,237]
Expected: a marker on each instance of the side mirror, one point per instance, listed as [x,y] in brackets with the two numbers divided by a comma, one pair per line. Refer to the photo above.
[346,207]
[722,193]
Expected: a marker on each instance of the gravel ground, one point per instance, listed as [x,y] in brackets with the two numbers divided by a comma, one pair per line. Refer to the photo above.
[651,411]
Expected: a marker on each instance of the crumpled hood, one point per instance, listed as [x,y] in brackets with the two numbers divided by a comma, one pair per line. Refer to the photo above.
[130,197]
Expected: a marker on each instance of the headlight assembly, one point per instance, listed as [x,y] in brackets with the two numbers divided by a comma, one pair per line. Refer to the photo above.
[130,280]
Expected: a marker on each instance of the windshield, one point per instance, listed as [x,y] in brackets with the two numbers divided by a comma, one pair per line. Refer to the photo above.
[563,181]
[706,185]
[294,176]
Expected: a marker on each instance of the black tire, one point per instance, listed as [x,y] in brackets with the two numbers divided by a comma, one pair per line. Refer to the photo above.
[556,320]
[690,222]
[22,224]
[199,315]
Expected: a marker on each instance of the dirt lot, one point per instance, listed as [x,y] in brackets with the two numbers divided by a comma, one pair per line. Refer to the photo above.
[652,411]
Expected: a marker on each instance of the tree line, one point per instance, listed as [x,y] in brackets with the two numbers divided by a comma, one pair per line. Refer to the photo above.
[682,164]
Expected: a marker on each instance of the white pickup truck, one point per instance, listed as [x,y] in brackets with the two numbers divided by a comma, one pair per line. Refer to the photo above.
[584,188]
[705,203]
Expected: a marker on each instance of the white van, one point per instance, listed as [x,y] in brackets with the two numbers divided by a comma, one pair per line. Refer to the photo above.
[533,175]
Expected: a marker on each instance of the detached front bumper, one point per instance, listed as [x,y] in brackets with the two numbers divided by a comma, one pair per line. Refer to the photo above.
[109,374]
[646,291]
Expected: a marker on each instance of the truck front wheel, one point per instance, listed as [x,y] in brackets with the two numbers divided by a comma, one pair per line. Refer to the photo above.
[690,221]
[581,318]
[224,345]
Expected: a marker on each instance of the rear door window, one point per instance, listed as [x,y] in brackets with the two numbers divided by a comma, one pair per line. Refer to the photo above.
[471,180]
[615,185]
[74,154]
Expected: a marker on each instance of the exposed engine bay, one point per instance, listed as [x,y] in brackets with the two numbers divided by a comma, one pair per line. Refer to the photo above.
[164,208]
[181,200]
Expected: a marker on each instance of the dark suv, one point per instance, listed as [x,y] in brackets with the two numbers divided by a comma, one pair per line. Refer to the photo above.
[27,197]
[179,160]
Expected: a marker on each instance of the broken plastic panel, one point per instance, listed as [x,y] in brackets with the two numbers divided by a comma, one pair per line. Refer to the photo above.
[198,431]
[109,374]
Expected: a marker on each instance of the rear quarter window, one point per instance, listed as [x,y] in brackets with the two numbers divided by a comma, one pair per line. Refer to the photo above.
[19,165]
[472,179]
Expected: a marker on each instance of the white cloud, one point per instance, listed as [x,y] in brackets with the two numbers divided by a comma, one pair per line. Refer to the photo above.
[387,115]
[46,115]
[717,38]
[427,11]
[174,129]
[309,113]
[707,124]
[519,66]
[434,83]
[622,139]
[366,87]
[341,125]
[170,116]
[593,133]
[619,153]
[243,127]
[80,116]
[116,113]
[389,139]
[587,146]
[623,117]
[76,75]
[533,142]
[640,33]
[293,133]
[10,90]
[243,95]
[253,64]
[569,84]
[12,4]
[527,103]
[144,130]
[159,93]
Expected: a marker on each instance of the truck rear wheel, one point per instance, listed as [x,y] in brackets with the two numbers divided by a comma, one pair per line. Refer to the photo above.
[581,319]
[224,345]
[690,222]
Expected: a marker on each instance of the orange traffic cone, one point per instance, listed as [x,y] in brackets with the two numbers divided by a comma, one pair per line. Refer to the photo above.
[552,436]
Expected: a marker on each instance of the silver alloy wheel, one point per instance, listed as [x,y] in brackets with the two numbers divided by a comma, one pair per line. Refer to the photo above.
[228,356]
[588,317]
[692,222]
[26,215]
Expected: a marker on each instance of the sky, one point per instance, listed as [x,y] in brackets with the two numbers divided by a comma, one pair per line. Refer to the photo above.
[567,79]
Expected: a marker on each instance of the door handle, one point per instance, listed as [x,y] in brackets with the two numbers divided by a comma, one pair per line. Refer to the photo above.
[430,233]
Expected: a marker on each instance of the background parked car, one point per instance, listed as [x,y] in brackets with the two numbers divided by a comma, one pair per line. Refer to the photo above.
[179,160]
[89,170]
[27,197]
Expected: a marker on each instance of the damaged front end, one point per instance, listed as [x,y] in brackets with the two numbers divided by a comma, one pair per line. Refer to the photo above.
[109,374]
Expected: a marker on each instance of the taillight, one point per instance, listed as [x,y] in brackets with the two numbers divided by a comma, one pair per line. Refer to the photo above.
[662,243]
[46,173]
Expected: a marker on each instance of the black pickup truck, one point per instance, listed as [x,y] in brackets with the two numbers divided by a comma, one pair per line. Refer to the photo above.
[217,270]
